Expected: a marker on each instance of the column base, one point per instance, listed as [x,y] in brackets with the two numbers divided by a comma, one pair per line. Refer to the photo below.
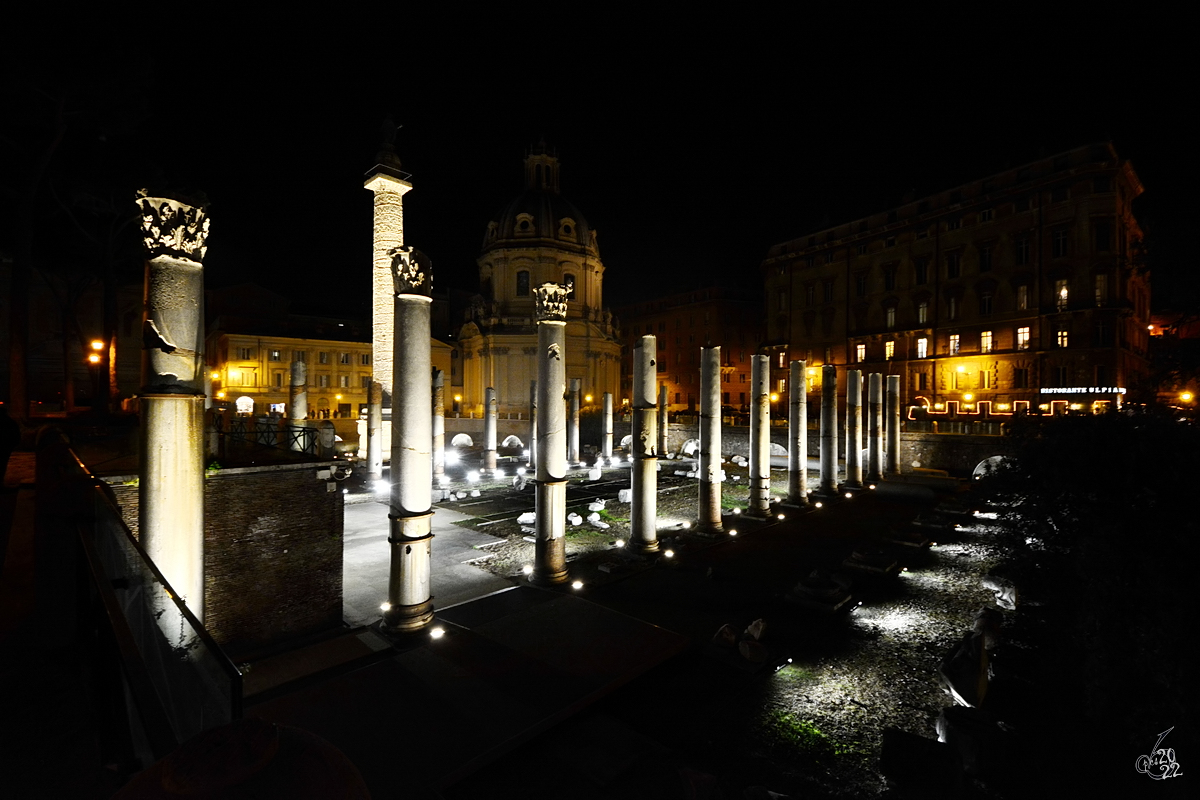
[407,619]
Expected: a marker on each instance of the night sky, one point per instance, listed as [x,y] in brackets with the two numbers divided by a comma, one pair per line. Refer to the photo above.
[690,145]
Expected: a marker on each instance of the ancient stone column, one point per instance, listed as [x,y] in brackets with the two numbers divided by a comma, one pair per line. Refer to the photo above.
[439,423]
[854,429]
[709,514]
[829,430]
[663,425]
[644,512]
[533,424]
[411,512]
[893,428]
[491,414]
[550,550]
[760,436]
[573,455]
[171,479]
[389,185]
[798,434]
[607,445]
[298,401]
[375,432]
[874,427]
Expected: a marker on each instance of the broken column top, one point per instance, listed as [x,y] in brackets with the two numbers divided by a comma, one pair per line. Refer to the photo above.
[550,302]
[174,226]
[411,273]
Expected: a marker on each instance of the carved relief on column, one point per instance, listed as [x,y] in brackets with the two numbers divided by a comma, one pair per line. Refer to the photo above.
[408,275]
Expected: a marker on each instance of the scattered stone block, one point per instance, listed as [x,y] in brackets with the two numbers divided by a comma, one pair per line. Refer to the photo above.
[474,493]
[1004,590]
[594,474]
[574,519]
[528,518]
[625,495]
[596,505]
[755,630]
[532,539]
[725,636]
[600,524]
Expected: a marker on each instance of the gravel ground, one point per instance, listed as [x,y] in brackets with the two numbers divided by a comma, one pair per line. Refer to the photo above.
[815,725]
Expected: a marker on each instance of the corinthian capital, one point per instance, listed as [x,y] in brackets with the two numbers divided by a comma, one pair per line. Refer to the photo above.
[172,227]
[409,275]
[550,301]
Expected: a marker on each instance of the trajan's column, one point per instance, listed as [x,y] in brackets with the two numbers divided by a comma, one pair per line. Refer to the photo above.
[389,185]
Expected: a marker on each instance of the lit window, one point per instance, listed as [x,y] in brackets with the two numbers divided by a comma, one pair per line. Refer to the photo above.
[323,381]
[890,314]
[274,355]
[889,350]
[344,381]
[1061,294]
[1061,337]
[985,342]
[922,348]
[322,357]
[954,344]
[782,358]
[343,358]
[1023,338]
[860,352]
[781,385]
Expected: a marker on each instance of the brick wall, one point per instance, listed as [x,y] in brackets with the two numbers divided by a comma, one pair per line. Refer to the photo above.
[272,552]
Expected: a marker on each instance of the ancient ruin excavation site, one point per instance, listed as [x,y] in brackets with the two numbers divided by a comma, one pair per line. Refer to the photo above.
[839,450]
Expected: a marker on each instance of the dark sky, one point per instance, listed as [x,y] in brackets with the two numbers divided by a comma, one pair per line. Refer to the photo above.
[690,145]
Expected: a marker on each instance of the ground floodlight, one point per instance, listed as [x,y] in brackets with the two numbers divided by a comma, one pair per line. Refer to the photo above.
[437,633]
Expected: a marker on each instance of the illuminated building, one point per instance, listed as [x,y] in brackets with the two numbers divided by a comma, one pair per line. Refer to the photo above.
[685,322]
[537,238]
[1019,290]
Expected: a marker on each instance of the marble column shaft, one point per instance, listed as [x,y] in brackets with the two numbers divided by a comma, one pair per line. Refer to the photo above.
[375,432]
[491,413]
[893,429]
[798,433]
[664,426]
[709,511]
[760,435]
[533,424]
[171,470]
[874,427]
[607,450]
[411,507]
[829,430]
[644,511]
[574,455]
[854,429]
[550,554]
[439,423]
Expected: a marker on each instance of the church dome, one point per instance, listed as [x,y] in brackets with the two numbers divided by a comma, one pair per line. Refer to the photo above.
[540,216]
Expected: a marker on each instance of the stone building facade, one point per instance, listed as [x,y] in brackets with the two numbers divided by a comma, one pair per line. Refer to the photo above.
[685,322]
[539,237]
[1018,291]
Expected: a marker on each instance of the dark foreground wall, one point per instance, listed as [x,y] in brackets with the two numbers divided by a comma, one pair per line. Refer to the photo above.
[272,552]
